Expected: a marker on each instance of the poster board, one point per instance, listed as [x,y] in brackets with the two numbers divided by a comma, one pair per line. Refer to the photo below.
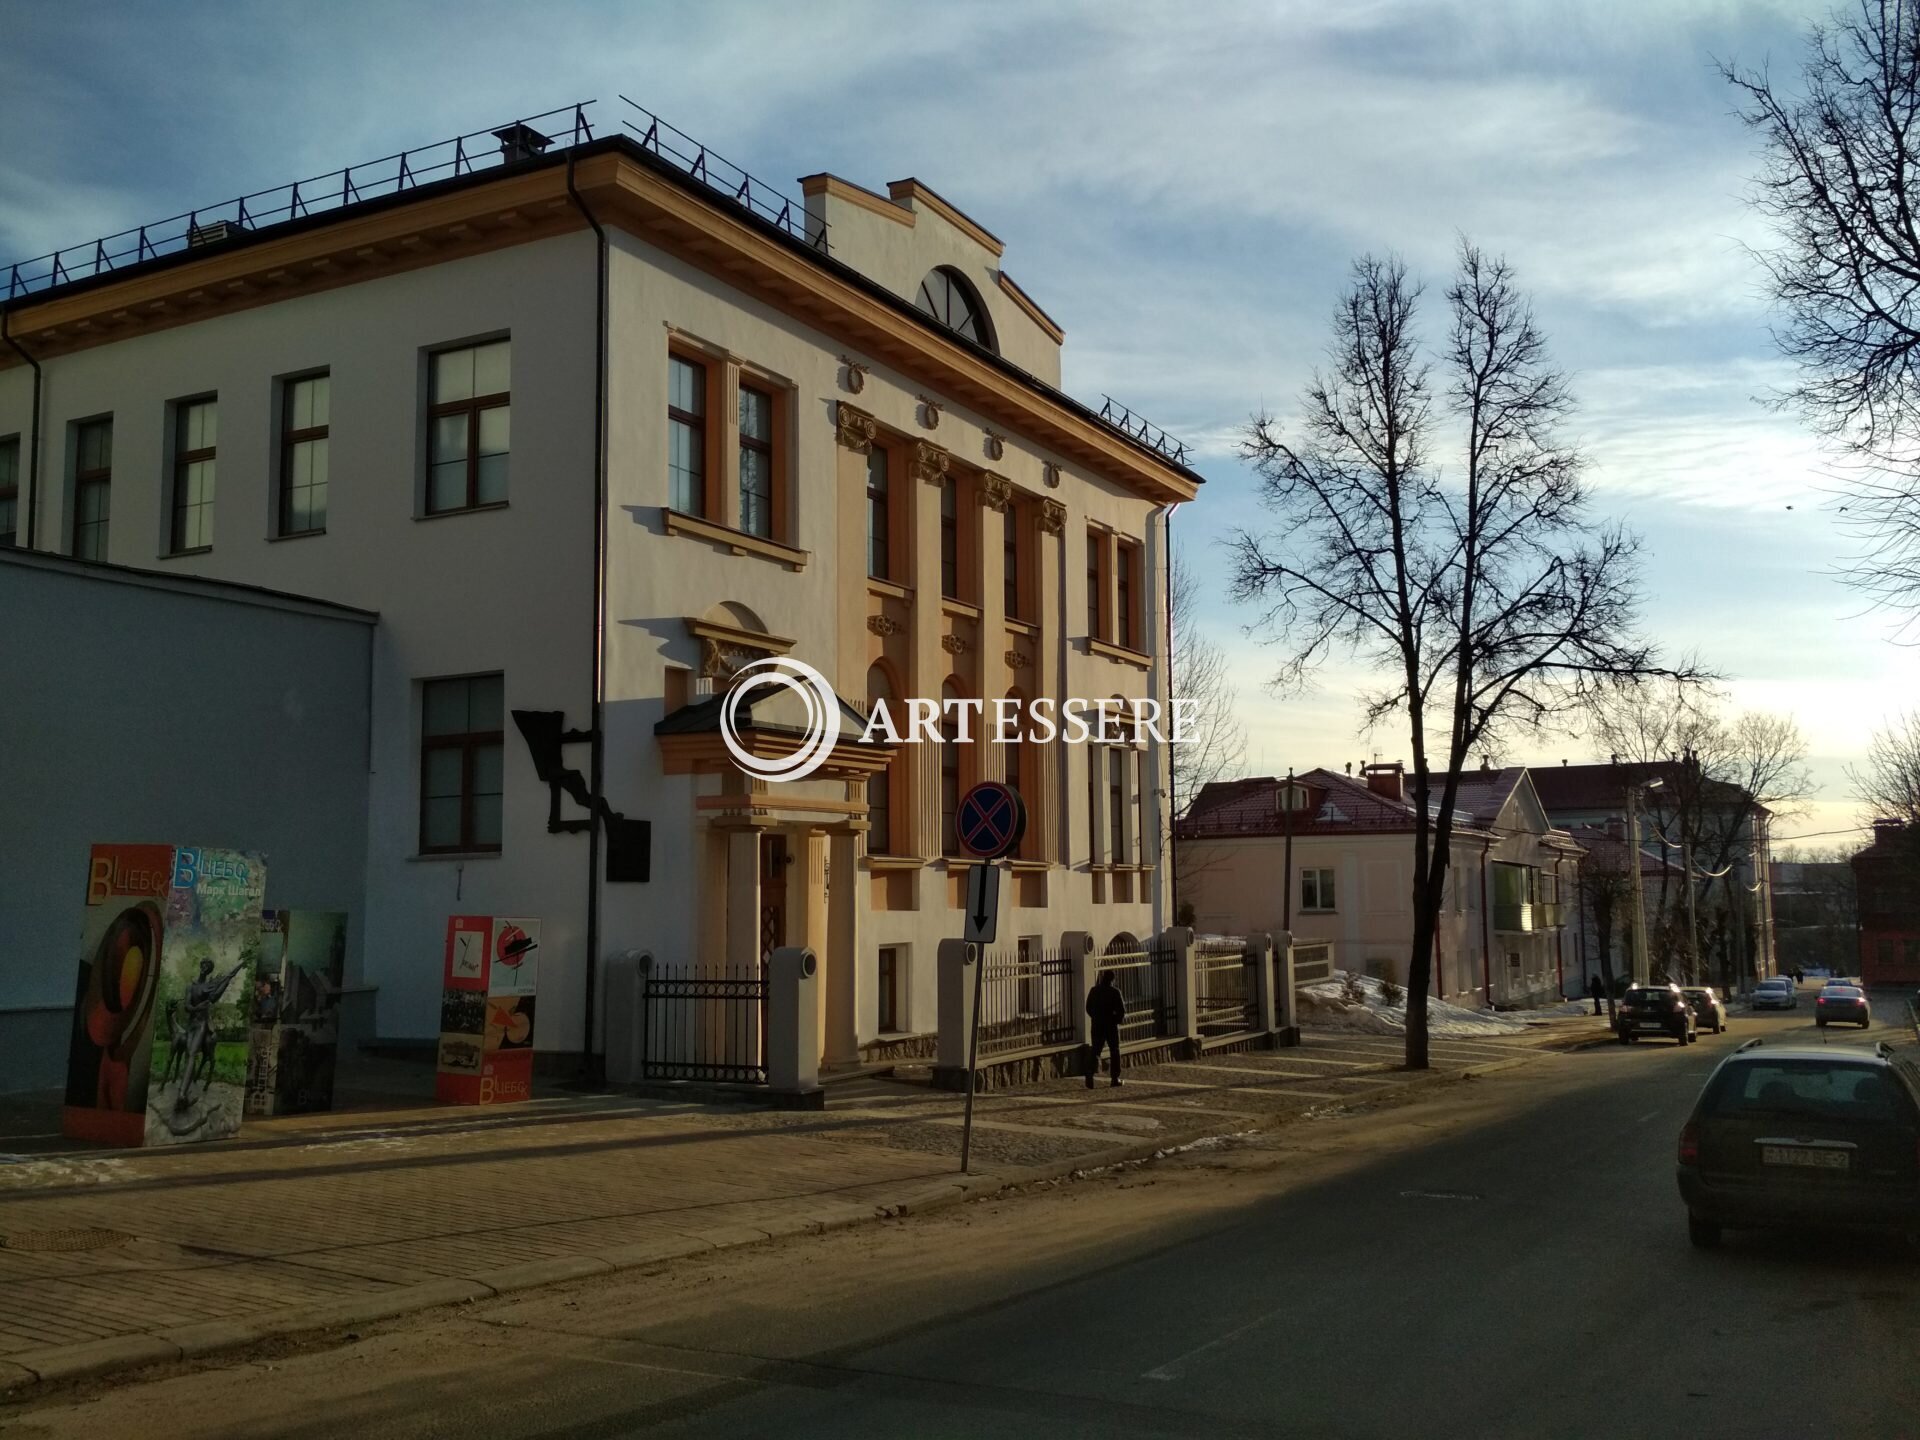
[489,983]
[158,1050]
[295,1007]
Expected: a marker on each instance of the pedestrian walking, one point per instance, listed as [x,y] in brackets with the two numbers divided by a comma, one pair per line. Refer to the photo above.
[1596,990]
[1106,1008]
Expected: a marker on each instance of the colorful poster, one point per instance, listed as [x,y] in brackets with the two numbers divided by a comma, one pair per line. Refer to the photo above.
[489,977]
[158,1054]
[295,1009]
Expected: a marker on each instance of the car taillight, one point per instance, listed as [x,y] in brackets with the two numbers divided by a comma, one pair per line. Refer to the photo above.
[1690,1145]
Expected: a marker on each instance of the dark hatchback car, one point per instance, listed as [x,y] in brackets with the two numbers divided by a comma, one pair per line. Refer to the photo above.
[1655,1010]
[1803,1135]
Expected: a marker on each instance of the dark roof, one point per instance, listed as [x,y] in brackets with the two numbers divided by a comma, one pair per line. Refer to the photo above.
[181,580]
[703,717]
[1604,786]
[1343,805]
[633,150]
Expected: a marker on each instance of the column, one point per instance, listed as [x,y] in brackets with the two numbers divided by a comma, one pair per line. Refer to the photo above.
[844,952]
[743,899]
[710,944]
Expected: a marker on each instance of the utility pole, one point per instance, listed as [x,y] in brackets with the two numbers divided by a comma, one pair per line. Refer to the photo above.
[1286,889]
[1693,925]
[1639,890]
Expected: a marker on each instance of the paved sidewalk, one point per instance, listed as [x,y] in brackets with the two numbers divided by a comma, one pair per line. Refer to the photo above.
[111,1259]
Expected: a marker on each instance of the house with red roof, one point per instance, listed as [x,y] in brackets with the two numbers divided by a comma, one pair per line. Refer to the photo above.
[1330,856]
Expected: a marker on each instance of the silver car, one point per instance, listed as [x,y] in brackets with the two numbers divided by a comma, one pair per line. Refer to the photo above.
[1777,993]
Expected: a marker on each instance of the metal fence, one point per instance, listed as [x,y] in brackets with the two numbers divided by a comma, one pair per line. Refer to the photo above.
[1027,1001]
[704,1025]
[1312,961]
[1146,979]
[1225,991]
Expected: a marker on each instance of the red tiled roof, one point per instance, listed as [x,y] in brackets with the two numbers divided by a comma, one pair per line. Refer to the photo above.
[1342,805]
[1604,787]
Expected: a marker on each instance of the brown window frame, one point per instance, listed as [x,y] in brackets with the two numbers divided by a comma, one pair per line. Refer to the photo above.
[183,458]
[880,836]
[950,551]
[769,447]
[951,762]
[291,439]
[887,988]
[1127,578]
[101,475]
[471,407]
[1016,546]
[1116,803]
[883,500]
[702,431]
[468,742]
[10,492]
[1099,597]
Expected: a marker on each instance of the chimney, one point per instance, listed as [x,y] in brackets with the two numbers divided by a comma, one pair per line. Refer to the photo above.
[1387,779]
[1616,827]
[213,232]
[520,142]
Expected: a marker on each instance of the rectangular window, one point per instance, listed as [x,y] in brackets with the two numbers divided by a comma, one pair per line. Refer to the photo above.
[1094,772]
[889,990]
[756,462]
[1013,550]
[461,757]
[950,786]
[1096,585]
[9,490]
[1117,804]
[304,409]
[469,419]
[1125,568]
[879,515]
[950,538]
[92,488]
[1316,890]
[195,423]
[1139,811]
[880,813]
[687,435]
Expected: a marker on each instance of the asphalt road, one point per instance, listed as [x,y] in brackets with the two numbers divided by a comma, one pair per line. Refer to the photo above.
[1508,1258]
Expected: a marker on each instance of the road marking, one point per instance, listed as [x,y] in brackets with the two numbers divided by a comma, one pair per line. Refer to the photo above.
[1171,1370]
[1650,1115]
[1437,1195]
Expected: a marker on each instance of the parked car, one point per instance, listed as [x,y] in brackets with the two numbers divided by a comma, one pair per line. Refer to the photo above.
[1708,1010]
[1776,993]
[1843,1002]
[1657,1010]
[1803,1135]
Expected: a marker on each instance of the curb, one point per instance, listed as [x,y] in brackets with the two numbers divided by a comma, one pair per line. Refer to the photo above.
[26,1371]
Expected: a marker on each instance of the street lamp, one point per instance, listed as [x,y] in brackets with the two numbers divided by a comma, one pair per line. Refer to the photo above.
[1633,865]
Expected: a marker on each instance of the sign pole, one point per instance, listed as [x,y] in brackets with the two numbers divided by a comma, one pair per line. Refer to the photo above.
[977,958]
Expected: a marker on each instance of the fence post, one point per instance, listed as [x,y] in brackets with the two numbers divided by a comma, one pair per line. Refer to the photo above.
[793,1022]
[954,1014]
[1287,1015]
[624,996]
[1084,968]
[1259,955]
[1186,991]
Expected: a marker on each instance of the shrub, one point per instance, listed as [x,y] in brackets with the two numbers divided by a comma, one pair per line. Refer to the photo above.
[1390,992]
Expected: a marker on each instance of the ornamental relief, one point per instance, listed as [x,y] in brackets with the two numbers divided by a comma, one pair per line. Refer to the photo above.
[928,462]
[854,427]
[929,412]
[856,375]
[883,625]
[995,491]
[718,661]
[1053,517]
[1016,661]
[954,645]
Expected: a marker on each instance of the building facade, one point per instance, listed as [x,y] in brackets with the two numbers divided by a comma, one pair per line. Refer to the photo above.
[589,430]
[1887,881]
[1502,937]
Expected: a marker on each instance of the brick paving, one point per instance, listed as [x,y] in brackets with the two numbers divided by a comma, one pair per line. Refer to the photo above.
[393,1191]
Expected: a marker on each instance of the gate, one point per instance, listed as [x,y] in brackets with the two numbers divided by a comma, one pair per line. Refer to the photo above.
[1027,1001]
[1225,997]
[699,1025]
[1146,980]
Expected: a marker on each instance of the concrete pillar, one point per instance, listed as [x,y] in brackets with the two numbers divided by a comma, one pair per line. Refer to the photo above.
[1259,956]
[1186,1015]
[1077,947]
[955,1016]
[711,941]
[1287,1004]
[623,1005]
[845,953]
[793,1022]
[743,900]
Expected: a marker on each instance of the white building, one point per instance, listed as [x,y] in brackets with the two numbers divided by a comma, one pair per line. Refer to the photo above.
[587,429]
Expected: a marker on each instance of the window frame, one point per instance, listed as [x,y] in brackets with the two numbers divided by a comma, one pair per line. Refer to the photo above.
[1016,550]
[699,427]
[83,479]
[880,837]
[10,492]
[769,446]
[880,513]
[469,743]
[950,577]
[1116,781]
[890,1014]
[1126,615]
[178,507]
[952,772]
[291,439]
[472,407]
[1326,890]
[1099,590]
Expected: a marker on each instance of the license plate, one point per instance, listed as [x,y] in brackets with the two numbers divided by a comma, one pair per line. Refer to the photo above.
[1805,1157]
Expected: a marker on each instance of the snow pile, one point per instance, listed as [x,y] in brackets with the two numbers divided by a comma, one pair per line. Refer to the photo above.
[1359,1002]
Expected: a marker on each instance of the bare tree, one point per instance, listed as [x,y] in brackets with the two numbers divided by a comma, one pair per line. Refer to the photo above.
[1606,886]
[1888,785]
[1839,185]
[1215,740]
[1484,595]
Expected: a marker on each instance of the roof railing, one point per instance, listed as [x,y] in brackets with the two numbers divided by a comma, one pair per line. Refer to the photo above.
[1139,428]
[209,225]
[721,175]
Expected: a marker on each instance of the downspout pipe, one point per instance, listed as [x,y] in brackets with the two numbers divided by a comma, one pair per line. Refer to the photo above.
[591,1065]
[1172,818]
[33,425]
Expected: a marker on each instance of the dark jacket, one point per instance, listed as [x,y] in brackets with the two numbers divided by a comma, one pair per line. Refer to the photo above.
[1106,1006]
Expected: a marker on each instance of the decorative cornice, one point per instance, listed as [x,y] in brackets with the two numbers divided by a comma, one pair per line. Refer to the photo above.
[856,376]
[953,644]
[995,491]
[929,412]
[1053,516]
[883,625]
[927,462]
[1016,661]
[854,427]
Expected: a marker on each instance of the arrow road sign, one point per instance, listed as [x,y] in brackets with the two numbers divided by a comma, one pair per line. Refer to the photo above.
[991,820]
[983,904]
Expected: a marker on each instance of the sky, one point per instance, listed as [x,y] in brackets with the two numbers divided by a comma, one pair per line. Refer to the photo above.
[1182,187]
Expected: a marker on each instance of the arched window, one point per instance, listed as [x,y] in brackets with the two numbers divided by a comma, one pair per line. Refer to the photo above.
[880,785]
[946,295]
[949,770]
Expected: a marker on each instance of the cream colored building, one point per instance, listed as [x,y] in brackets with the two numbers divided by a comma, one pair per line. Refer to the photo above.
[1502,938]
[588,430]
